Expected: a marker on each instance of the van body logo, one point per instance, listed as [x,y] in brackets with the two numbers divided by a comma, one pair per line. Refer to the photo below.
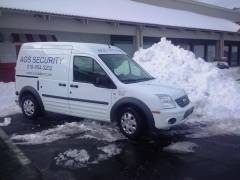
[41,60]
[41,65]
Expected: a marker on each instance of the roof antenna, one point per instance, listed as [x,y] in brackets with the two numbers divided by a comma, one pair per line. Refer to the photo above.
[109,44]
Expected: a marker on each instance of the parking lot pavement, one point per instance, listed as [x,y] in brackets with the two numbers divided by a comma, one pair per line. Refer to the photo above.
[63,147]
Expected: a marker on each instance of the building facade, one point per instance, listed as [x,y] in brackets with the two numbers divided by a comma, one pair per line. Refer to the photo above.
[138,29]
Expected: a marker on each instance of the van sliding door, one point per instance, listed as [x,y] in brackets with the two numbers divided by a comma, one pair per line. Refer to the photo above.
[54,85]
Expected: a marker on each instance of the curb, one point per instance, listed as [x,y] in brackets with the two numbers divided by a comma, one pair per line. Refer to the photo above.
[14,164]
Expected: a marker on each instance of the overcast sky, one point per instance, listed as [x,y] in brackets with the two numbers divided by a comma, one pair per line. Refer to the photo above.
[224,3]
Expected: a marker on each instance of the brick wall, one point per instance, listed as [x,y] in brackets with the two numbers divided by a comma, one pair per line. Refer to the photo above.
[7,72]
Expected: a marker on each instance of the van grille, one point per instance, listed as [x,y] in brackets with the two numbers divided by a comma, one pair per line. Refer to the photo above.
[183,101]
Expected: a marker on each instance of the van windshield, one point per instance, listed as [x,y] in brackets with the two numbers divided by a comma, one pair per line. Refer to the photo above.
[126,69]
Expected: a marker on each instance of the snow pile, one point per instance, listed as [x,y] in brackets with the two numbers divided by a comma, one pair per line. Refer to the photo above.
[7,97]
[181,147]
[74,158]
[84,129]
[213,93]
[6,121]
[233,72]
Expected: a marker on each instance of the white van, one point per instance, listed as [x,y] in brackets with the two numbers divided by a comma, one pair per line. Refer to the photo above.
[98,82]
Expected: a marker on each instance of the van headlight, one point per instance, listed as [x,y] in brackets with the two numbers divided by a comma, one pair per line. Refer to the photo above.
[166,102]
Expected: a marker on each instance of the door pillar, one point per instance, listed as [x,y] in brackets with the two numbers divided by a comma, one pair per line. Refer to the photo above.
[139,38]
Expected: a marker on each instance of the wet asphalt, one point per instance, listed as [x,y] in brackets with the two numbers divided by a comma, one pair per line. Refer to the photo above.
[214,158]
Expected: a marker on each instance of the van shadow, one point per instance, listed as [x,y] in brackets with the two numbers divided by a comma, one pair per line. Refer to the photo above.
[144,159]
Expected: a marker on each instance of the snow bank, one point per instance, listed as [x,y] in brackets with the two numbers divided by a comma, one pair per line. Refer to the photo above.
[214,94]
[7,97]
[181,147]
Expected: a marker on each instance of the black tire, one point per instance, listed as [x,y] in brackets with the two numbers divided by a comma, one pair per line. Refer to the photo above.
[139,123]
[35,108]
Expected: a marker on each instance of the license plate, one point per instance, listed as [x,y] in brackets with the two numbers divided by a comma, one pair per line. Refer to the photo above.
[188,112]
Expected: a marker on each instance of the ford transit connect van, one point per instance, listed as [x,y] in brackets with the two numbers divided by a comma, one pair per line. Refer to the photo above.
[98,82]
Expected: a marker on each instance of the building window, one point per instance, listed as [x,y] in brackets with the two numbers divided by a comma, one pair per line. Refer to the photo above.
[1,37]
[43,38]
[185,46]
[127,47]
[234,56]
[15,37]
[149,41]
[125,43]
[199,50]
[29,37]
[147,45]
[211,53]
[226,51]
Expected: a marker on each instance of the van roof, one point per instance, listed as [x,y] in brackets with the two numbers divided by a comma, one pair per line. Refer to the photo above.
[92,48]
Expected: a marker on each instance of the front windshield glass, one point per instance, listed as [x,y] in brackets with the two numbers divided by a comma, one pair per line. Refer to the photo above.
[126,69]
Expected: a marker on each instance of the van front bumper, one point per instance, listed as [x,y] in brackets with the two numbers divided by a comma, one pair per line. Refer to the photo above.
[171,117]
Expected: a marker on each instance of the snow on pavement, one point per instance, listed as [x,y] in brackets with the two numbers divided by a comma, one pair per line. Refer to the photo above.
[50,135]
[216,128]
[109,133]
[74,158]
[181,147]
[79,130]
[6,121]
[107,152]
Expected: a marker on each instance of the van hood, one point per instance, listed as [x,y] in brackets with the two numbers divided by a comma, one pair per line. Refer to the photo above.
[154,87]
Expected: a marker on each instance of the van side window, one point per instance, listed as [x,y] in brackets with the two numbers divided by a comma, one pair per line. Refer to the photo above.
[98,71]
[83,69]
[86,69]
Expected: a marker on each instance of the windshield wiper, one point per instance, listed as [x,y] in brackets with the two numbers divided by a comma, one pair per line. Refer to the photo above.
[137,80]
[145,79]
[129,80]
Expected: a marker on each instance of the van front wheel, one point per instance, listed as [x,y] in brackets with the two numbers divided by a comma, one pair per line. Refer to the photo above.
[30,107]
[130,123]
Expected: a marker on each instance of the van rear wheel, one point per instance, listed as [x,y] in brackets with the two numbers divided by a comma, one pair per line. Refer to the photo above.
[131,123]
[30,107]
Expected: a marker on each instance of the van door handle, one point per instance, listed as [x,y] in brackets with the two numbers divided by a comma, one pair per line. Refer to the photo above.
[62,84]
[73,86]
